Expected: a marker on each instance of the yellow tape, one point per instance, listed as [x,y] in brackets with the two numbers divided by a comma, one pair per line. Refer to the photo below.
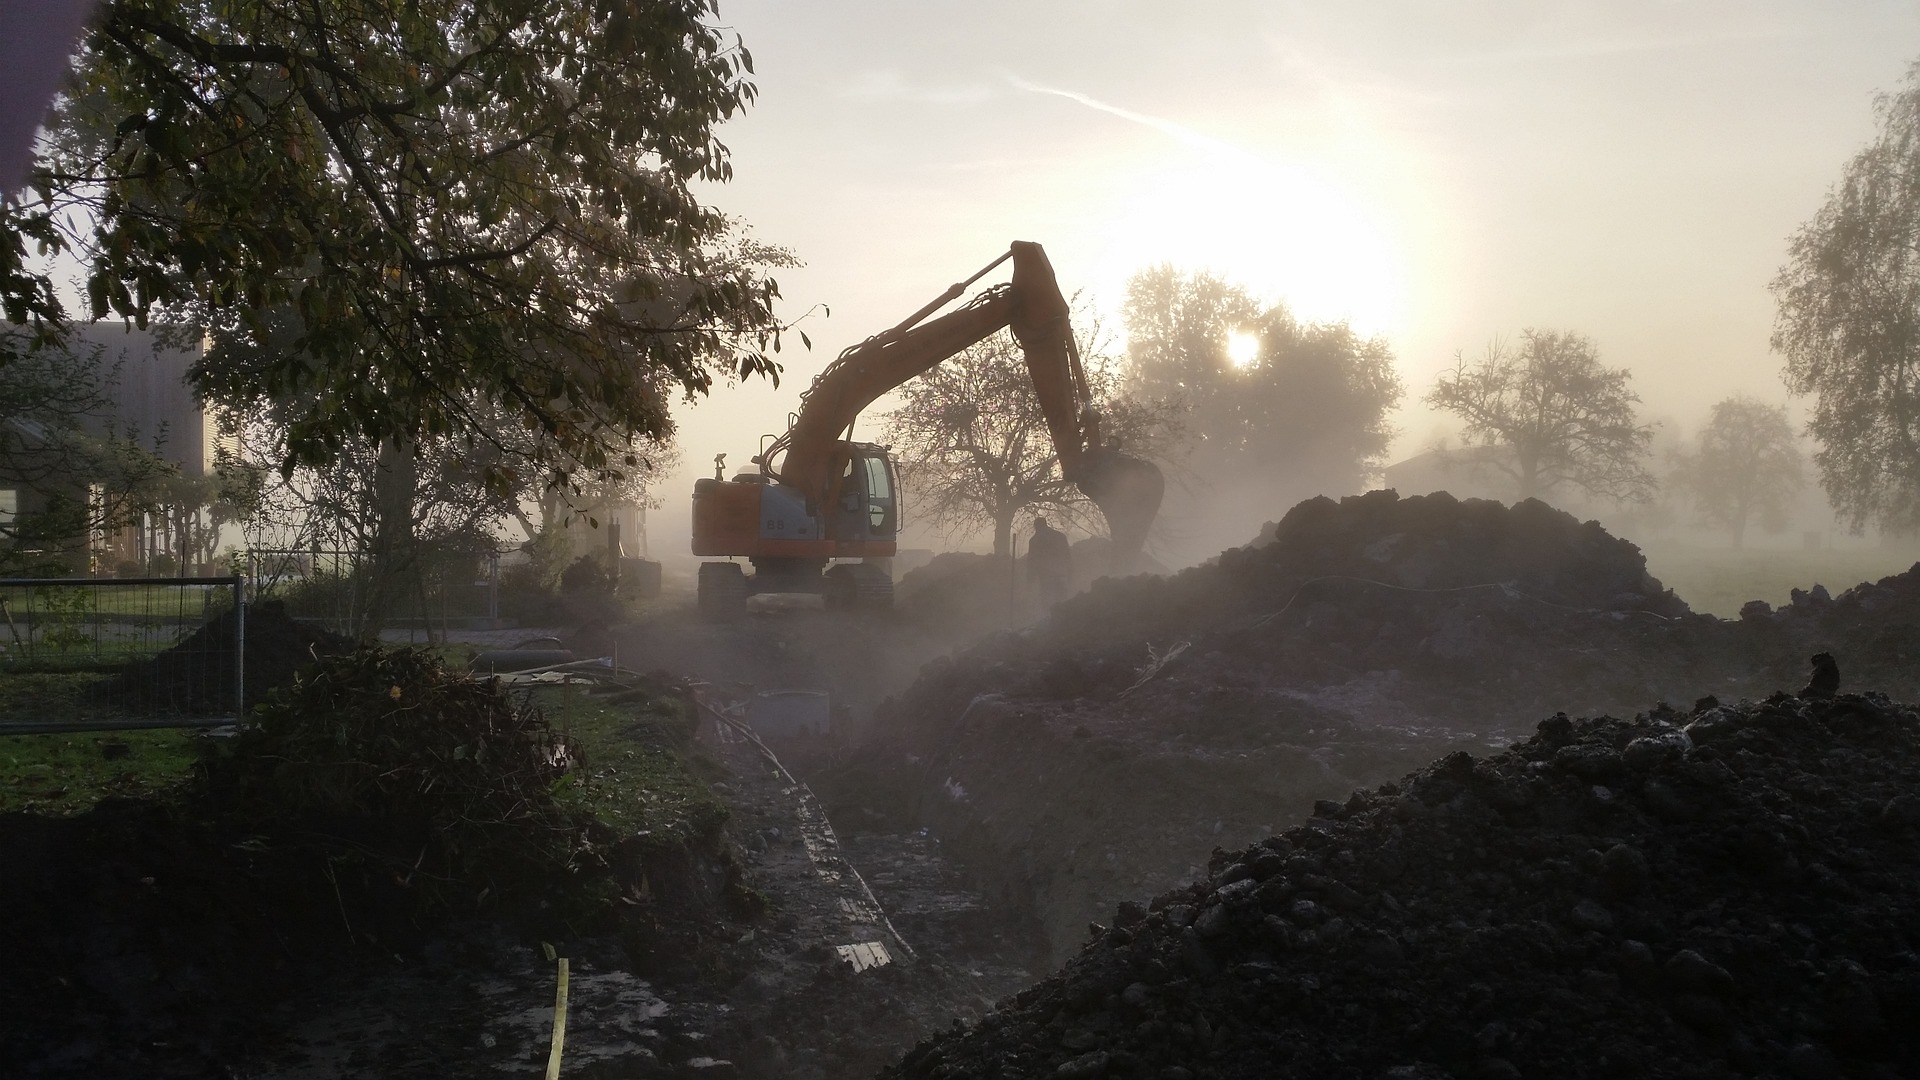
[559,1024]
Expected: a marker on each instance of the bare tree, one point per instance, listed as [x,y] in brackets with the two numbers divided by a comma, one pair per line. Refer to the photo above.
[1849,324]
[1745,468]
[974,448]
[1563,416]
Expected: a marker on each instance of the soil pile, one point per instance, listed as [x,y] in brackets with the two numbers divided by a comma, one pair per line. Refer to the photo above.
[958,588]
[1873,628]
[1727,893]
[972,593]
[1106,749]
[197,675]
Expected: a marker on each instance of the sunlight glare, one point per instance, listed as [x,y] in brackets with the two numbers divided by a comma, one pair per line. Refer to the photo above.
[1285,232]
[1242,349]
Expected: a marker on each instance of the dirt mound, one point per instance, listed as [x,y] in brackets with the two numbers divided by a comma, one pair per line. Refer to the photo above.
[971,592]
[958,587]
[1425,543]
[196,676]
[1726,893]
[1873,628]
[1106,749]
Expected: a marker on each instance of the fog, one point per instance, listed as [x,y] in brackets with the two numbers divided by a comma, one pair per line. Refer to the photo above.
[1438,175]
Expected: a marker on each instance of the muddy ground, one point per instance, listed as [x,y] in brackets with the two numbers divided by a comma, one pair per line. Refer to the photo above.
[989,797]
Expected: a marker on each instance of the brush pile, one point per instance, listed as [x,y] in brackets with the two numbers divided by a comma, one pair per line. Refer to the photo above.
[1731,892]
[407,768]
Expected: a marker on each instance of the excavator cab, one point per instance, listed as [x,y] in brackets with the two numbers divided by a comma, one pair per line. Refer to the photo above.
[869,508]
[792,541]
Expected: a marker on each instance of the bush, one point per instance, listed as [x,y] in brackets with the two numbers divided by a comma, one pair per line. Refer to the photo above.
[586,576]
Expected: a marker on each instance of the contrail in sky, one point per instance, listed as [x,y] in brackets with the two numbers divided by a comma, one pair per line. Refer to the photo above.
[1166,127]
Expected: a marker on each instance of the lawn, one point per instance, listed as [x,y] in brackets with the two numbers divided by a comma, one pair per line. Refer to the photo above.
[62,775]
[639,771]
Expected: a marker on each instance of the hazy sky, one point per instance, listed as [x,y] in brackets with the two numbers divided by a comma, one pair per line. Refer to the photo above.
[1438,173]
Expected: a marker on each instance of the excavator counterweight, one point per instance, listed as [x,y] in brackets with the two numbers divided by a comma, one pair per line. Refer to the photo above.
[830,498]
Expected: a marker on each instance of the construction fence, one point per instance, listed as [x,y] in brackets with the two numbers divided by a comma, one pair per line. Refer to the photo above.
[82,654]
[331,590]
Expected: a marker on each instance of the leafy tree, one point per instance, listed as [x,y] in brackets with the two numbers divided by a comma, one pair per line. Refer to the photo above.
[1849,323]
[56,441]
[1745,467]
[1313,400]
[973,444]
[1305,413]
[1563,417]
[402,515]
[1177,327]
[407,509]
[457,201]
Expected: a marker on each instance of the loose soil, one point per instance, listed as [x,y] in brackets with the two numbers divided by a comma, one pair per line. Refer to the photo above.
[1730,893]
[1082,760]
[197,675]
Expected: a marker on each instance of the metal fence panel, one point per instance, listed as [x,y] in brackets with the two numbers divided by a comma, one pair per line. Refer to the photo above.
[93,654]
[328,589]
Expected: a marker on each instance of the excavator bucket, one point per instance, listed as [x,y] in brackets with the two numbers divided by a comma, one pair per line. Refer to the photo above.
[1128,491]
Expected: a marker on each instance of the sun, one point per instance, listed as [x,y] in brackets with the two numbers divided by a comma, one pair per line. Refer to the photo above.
[1286,233]
[1242,349]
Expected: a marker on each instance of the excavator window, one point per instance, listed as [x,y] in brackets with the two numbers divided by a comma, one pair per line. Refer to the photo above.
[879,494]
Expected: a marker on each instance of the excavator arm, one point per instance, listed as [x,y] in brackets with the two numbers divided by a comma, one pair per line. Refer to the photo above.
[1127,489]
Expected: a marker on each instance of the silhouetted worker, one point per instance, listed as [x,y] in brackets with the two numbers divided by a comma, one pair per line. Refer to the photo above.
[1049,564]
[1826,677]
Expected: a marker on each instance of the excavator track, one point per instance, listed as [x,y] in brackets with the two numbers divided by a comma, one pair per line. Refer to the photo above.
[859,586]
[723,591]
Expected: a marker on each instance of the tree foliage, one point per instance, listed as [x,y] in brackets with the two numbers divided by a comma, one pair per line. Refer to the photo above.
[974,449]
[1745,467]
[1562,416]
[58,441]
[1310,405]
[457,201]
[1177,326]
[1849,323]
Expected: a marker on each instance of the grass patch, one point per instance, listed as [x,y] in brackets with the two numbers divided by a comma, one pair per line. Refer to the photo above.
[1719,581]
[638,770]
[58,697]
[65,775]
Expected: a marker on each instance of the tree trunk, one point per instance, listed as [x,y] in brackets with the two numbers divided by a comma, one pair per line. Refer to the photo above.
[1529,476]
[1740,528]
[392,555]
[1003,527]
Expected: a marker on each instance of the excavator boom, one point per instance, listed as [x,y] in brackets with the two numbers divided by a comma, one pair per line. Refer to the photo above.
[1127,489]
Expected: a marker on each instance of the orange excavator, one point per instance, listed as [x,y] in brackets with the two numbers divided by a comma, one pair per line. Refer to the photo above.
[818,496]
